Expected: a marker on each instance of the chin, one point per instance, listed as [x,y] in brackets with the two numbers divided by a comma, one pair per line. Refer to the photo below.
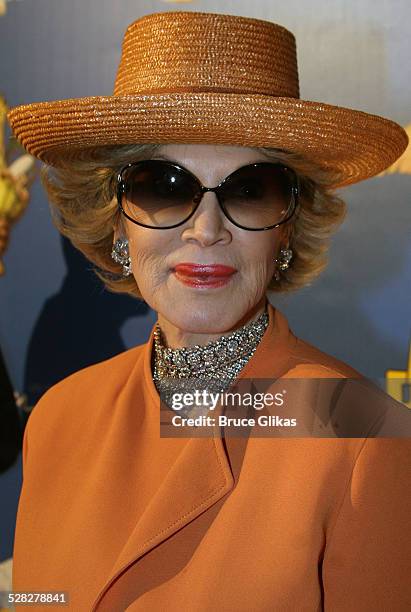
[205,321]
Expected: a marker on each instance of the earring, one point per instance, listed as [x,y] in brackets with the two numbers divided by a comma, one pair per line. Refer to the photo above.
[283,261]
[121,255]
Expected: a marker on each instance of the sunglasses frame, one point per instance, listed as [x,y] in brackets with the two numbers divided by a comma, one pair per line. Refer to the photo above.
[295,190]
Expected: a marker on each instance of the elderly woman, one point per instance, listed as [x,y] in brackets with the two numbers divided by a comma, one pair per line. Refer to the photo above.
[203,183]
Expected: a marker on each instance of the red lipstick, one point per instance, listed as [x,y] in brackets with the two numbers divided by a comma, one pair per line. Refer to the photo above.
[189,269]
[203,275]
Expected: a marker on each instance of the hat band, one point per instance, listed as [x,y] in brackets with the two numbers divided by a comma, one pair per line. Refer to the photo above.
[202,89]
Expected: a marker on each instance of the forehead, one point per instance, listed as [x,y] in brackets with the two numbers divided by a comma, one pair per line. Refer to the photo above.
[209,160]
[210,151]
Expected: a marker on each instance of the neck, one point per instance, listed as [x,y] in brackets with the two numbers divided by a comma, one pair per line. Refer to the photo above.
[176,338]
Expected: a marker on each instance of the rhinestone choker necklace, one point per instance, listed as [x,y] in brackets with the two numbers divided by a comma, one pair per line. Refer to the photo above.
[213,366]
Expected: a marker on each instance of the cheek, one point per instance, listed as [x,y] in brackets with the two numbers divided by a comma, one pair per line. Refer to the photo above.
[148,258]
[257,263]
[258,278]
[259,253]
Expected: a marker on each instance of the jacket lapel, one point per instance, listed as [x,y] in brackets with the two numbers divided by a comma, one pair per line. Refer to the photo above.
[199,477]
[202,474]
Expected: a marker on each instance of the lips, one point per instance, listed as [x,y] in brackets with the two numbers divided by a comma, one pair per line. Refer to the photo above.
[211,271]
[198,276]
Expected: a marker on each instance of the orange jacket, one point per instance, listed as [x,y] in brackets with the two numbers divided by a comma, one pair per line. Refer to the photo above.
[123,519]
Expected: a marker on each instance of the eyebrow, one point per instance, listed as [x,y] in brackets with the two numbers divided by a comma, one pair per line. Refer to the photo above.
[165,157]
[172,160]
[178,163]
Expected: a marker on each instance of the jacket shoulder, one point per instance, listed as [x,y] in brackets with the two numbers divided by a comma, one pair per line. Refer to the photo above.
[101,381]
[308,360]
[103,372]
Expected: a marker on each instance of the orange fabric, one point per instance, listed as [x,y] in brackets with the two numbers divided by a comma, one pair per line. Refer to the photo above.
[123,519]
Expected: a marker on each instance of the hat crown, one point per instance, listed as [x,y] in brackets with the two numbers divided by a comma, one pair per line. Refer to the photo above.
[207,52]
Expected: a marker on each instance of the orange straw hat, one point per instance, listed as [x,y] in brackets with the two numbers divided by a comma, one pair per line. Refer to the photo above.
[193,77]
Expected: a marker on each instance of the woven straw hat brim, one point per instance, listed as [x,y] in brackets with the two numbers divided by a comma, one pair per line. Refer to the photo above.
[349,145]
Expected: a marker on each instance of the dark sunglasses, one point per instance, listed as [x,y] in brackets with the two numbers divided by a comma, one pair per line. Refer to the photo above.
[159,194]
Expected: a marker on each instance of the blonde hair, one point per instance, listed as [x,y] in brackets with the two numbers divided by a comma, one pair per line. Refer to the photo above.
[82,190]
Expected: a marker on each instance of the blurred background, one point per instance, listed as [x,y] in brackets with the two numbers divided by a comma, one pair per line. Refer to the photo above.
[55,316]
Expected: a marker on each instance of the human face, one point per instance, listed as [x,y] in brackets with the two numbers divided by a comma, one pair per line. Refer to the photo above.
[192,314]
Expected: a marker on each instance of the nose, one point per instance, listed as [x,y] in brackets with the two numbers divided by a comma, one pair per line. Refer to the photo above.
[208,225]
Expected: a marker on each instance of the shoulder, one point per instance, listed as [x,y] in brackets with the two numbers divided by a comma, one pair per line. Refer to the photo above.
[304,359]
[307,360]
[349,402]
[103,373]
[85,389]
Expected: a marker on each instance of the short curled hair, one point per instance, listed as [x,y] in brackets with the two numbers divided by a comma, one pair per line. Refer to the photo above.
[82,197]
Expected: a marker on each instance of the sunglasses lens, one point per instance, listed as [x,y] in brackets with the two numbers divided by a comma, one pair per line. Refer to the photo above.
[157,194]
[259,196]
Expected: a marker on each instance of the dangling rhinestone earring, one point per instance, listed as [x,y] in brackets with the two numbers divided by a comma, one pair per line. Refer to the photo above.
[283,261]
[121,255]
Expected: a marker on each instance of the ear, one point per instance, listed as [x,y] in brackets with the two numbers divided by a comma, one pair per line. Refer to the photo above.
[287,231]
[119,228]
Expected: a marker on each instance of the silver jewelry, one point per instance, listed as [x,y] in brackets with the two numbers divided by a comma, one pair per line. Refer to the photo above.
[283,261]
[284,258]
[121,255]
[213,366]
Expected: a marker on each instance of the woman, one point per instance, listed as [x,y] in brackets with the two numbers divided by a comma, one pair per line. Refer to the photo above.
[111,512]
